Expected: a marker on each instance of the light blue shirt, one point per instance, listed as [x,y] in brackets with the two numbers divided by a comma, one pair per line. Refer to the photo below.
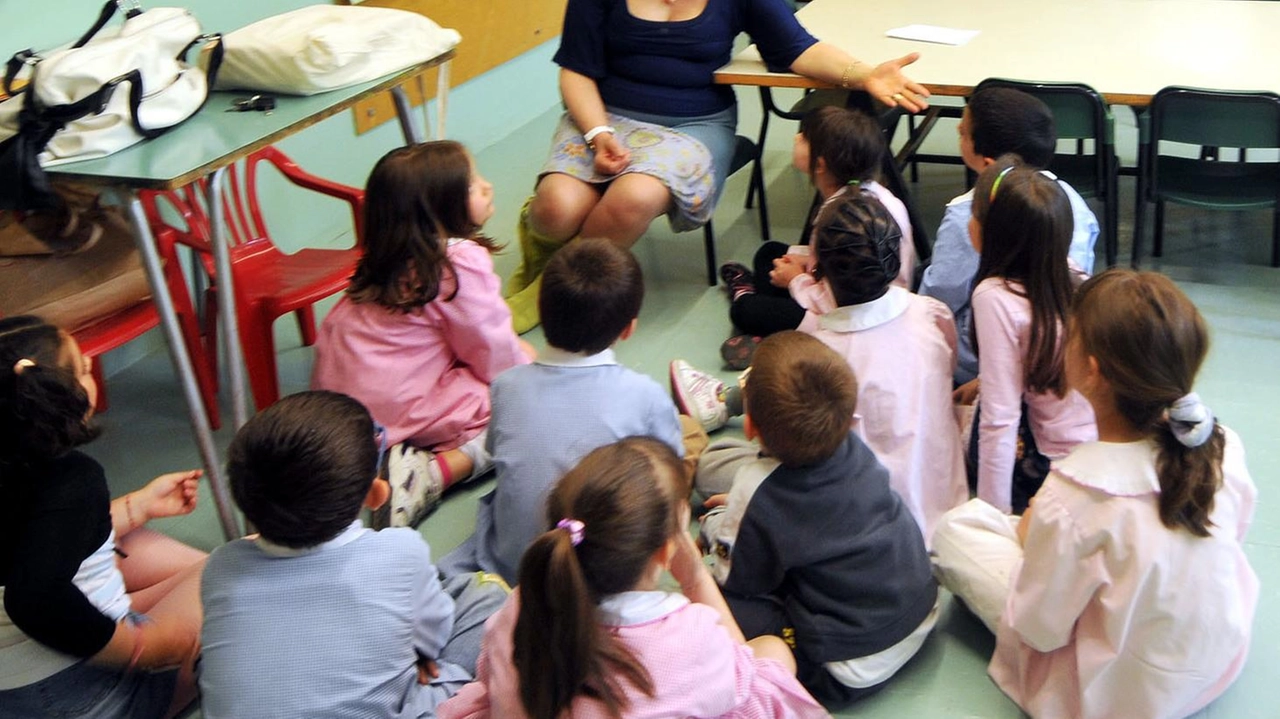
[547,416]
[950,274]
[329,631]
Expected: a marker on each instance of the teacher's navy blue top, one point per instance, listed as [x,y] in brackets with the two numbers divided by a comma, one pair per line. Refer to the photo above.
[666,68]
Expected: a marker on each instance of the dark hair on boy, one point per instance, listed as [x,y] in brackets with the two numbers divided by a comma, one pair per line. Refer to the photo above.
[415,199]
[1149,341]
[301,468]
[591,290]
[800,396]
[628,497]
[856,244]
[849,141]
[1026,234]
[43,407]
[1003,120]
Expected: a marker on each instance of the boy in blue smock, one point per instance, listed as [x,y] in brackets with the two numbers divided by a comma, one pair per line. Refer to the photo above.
[575,397]
[318,616]
[996,121]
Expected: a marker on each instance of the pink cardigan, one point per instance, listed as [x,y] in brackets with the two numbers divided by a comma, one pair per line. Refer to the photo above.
[1003,323]
[424,375]
[1112,614]
[697,669]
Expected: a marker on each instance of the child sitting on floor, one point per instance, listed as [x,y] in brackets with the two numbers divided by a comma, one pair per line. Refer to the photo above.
[318,616]
[573,398]
[811,539]
[588,633]
[996,121]
[1124,591]
[901,347]
[423,330]
[841,151]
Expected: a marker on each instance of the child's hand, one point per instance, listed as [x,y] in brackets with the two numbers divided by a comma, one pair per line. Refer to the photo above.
[1024,522]
[169,495]
[716,500]
[966,394]
[785,269]
[427,670]
[612,156]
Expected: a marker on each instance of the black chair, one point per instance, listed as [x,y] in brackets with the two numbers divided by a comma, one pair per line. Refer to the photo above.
[1080,114]
[1212,121]
[745,152]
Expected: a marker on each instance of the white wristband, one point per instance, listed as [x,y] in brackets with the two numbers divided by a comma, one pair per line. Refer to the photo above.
[590,135]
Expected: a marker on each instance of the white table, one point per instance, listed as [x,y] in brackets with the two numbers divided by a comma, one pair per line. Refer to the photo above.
[1125,49]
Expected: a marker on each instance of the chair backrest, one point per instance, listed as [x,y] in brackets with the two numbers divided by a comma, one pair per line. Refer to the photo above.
[1215,118]
[1079,113]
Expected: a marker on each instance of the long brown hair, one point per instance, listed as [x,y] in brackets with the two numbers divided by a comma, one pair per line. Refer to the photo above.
[415,199]
[1026,233]
[1149,341]
[627,495]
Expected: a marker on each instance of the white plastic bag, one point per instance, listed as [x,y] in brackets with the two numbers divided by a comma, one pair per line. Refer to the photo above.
[117,86]
[325,47]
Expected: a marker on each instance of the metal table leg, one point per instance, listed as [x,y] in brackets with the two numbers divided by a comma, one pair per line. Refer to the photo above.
[229,321]
[404,109]
[182,364]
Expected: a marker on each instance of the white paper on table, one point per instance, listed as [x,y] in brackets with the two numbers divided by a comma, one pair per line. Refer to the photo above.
[933,33]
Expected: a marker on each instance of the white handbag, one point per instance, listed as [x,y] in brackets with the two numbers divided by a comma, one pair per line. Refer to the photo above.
[112,88]
[325,47]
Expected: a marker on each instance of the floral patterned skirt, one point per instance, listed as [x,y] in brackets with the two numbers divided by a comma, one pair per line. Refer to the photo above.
[679,161]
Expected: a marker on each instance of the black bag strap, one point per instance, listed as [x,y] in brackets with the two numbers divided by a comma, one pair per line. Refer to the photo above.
[20,59]
[108,11]
[215,55]
[134,78]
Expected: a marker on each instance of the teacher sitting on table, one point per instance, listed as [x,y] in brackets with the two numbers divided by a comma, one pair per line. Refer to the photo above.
[648,131]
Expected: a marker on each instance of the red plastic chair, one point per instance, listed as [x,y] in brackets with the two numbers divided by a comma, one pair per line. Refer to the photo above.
[108,333]
[268,283]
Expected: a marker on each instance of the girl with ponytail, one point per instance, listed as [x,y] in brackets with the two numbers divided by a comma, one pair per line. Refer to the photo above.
[1130,592]
[589,634]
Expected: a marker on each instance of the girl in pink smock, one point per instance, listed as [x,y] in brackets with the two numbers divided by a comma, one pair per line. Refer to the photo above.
[1124,590]
[840,150]
[422,329]
[589,634]
[901,347]
[1027,416]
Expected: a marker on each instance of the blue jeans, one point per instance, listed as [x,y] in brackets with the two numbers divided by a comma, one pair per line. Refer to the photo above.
[92,692]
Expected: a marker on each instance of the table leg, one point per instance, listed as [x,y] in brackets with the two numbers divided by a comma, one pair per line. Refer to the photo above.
[182,364]
[229,321]
[404,109]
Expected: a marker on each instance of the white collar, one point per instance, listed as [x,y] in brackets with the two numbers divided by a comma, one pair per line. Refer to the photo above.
[1122,469]
[961,199]
[353,532]
[854,318]
[556,357]
[629,608]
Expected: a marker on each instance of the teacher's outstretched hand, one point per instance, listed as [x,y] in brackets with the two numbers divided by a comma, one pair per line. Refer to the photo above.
[888,84]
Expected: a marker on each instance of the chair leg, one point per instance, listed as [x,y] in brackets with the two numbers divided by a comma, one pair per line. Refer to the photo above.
[1275,236]
[100,405]
[1112,212]
[307,324]
[915,165]
[206,377]
[260,359]
[1139,210]
[757,183]
[709,242]
[1157,241]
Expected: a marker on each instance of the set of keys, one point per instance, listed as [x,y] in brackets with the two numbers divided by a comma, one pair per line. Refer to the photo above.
[255,103]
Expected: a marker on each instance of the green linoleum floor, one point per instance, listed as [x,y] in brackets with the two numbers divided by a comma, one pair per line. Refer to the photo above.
[1218,258]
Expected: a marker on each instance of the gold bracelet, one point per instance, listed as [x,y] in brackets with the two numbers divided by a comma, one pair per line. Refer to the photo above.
[844,76]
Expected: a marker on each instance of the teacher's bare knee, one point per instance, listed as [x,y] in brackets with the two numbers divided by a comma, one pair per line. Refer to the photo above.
[627,208]
[561,205]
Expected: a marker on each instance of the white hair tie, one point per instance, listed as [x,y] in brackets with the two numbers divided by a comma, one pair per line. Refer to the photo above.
[1190,420]
[22,364]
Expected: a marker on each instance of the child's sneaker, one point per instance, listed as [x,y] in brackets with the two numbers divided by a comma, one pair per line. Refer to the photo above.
[738,351]
[738,279]
[699,395]
[416,484]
